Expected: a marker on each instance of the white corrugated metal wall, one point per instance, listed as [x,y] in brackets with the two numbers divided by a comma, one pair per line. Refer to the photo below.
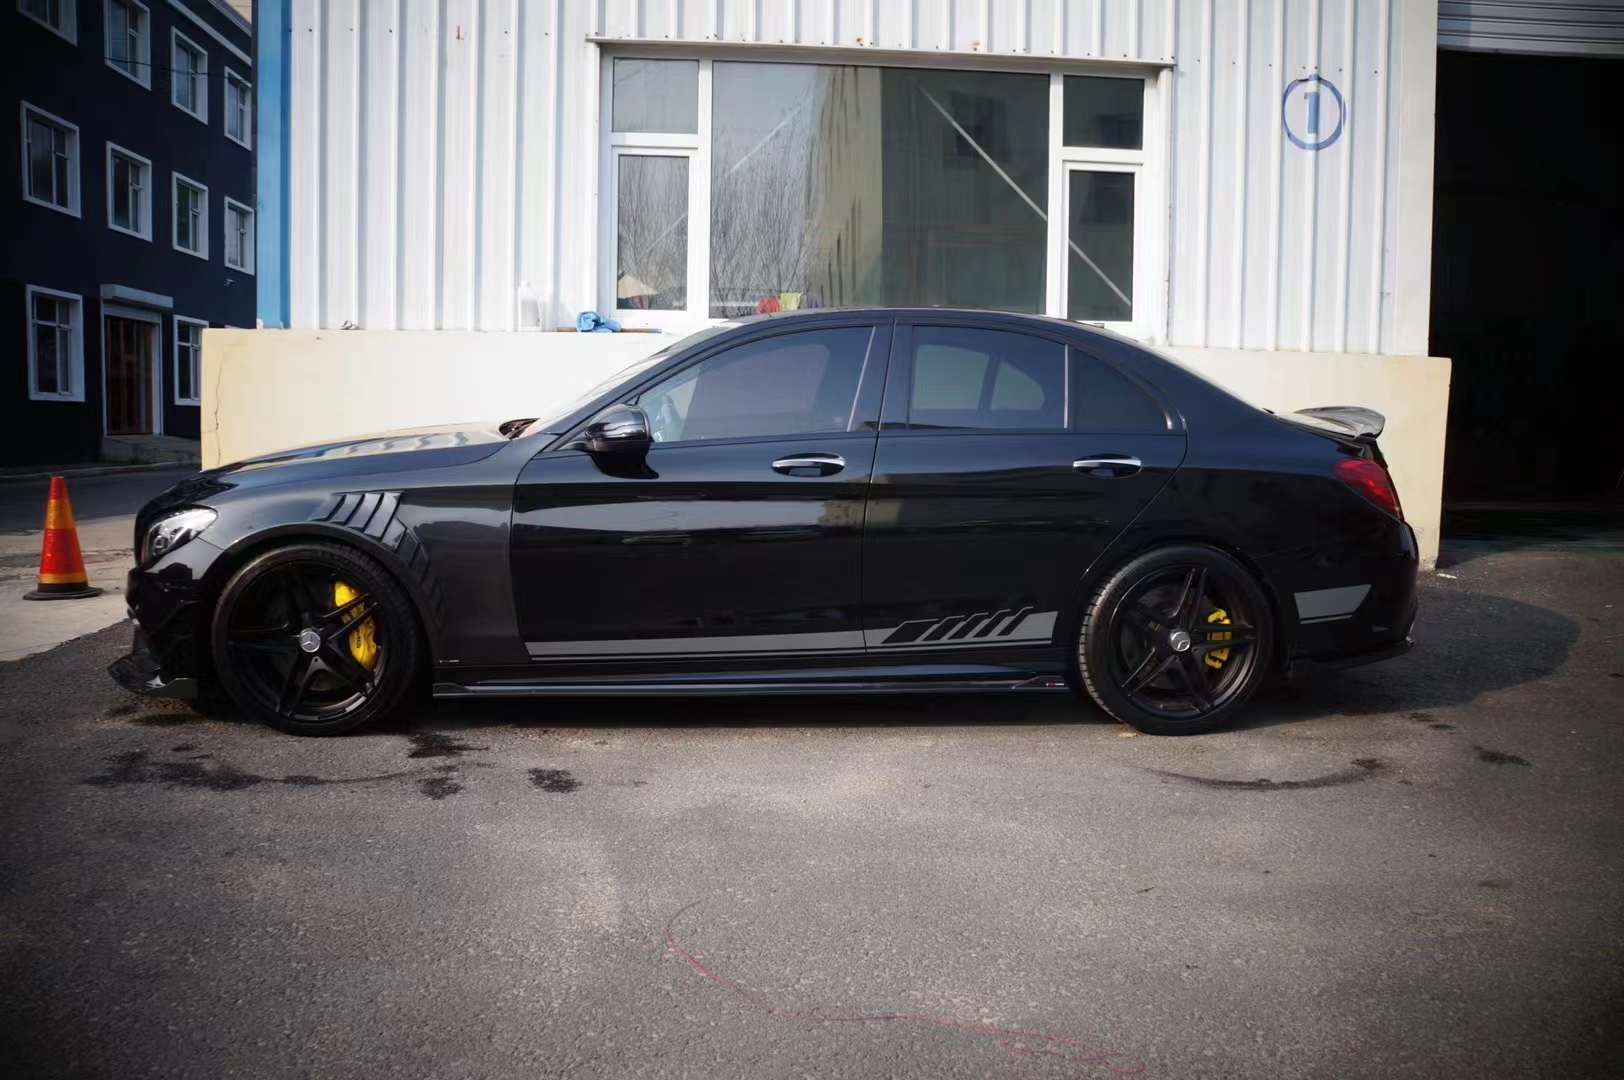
[443,153]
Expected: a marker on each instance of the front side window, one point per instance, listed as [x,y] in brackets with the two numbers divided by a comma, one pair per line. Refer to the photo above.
[239,109]
[129,192]
[188,360]
[239,236]
[50,160]
[986,380]
[188,76]
[55,345]
[127,40]
[794,384]
[54,15]
[191,217]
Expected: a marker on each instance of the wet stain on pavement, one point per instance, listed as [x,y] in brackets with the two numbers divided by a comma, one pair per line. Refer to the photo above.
[439,787]
[1442,727]
[557,781]
[1498,757]
[431,744]
[137,767]
[1364,769]
[1493,883]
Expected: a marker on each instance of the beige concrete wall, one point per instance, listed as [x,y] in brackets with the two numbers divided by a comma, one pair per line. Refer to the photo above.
[268,390]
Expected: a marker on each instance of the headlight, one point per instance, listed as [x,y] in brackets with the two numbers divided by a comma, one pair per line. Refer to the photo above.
[168,533]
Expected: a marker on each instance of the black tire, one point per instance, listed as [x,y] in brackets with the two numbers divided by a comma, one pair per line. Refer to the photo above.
[1176,640]
[287,652]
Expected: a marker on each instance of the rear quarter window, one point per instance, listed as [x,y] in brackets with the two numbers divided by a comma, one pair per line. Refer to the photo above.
[1104,399]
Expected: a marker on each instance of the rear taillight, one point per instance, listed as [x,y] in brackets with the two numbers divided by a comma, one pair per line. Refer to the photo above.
[1370,480]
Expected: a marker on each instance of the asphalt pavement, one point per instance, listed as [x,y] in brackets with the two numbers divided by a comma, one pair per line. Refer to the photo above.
[1409,869]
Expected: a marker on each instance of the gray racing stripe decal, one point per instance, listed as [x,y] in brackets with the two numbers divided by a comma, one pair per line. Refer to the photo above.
[960,632]
[832,641]
[1325,605]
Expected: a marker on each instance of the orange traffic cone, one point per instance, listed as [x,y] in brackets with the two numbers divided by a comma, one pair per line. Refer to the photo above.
[61,566]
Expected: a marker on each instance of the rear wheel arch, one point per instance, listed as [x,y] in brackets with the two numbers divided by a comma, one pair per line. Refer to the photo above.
[1115,558]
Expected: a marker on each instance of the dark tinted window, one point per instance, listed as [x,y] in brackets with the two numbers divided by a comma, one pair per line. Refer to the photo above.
[986,379]
[795,384]
[1104,399]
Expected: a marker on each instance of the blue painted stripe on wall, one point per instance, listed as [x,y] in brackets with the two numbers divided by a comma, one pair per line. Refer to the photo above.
[272,30]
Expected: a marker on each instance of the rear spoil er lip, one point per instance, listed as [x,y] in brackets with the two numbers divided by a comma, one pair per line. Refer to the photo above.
[1330,605]
[947,634]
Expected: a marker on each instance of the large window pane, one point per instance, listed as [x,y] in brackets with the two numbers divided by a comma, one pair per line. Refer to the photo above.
[1099,268]
[796,384]
[1104,112]
[986,380]
[651,271]
[656,95]
[41,162]
[835,185]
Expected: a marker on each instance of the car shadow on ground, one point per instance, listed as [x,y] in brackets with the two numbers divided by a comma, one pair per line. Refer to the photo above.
[1467,644]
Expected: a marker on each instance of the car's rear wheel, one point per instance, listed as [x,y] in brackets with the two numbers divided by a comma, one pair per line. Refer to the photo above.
[315,639]
[1175,641]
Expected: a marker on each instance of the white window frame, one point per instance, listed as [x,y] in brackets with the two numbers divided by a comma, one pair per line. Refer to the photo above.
[197,360]
[1148,164]
[175,181]
[142,75]
[247,266]
[74,163]
[76,367]
[200,80]
[245,91]
[68,31]
[145,232]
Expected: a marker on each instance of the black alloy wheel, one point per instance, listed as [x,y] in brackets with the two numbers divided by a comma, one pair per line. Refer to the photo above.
[315,639]
[1175,641]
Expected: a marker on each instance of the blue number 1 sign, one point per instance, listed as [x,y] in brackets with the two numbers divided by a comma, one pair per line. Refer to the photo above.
[1305,101]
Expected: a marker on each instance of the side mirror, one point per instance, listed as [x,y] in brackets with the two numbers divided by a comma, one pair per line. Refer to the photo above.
[620,430]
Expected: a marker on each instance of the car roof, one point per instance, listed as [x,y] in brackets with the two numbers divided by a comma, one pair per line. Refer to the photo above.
[989,314]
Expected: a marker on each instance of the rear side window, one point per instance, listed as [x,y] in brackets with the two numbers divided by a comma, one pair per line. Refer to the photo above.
[986,380]
[794,384]
[1104,399]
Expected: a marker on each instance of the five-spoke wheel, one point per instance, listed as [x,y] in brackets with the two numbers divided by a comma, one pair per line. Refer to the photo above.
[1175,640]
[314,638]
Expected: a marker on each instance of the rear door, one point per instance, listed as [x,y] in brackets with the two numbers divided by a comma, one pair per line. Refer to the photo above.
[737,539]
[1007,462]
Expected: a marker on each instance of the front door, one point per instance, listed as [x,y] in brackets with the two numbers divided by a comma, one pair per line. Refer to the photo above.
[129,348]
[1008,462]
[737,541]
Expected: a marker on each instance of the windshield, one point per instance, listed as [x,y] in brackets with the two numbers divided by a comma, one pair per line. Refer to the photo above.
[551,416]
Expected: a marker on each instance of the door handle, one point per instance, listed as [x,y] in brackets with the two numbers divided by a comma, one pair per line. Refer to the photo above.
[1108,466]
[810,464]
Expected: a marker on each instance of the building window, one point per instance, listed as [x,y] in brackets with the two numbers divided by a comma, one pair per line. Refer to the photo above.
[239,236]
[821,185]
[56,16]
[191,201]
[239,109]
[56,345]
[188,360]
[189,76]
[50,160]
[129,192]
[128,46]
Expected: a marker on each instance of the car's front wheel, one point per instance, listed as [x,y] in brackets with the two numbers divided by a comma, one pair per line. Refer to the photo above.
[1175,641]
[315,639]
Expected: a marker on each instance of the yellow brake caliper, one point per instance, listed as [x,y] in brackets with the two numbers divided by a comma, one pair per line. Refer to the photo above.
[364,638]
[1215,659]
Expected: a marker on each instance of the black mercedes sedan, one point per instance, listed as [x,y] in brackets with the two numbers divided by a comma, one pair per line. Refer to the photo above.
[848,501]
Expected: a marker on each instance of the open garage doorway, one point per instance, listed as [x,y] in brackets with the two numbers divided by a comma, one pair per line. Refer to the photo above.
[1526,298]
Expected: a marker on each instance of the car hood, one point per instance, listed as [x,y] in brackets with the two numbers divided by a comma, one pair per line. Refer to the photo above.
[449,444]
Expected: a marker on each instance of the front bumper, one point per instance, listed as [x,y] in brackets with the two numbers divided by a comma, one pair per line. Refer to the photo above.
[169,653]
[141,672]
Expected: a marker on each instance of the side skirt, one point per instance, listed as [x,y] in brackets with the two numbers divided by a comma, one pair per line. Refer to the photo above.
[742,684]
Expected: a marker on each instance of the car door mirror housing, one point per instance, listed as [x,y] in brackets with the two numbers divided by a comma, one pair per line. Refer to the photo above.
[619,430]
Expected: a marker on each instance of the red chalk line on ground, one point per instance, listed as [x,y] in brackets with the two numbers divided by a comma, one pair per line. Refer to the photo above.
[1012,1039]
